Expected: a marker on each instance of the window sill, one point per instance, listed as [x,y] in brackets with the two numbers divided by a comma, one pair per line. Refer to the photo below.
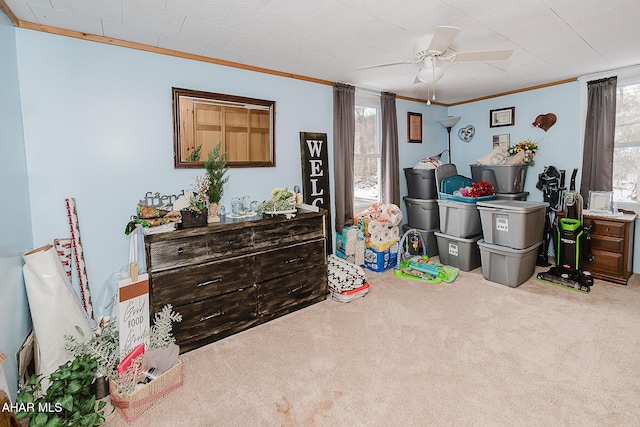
[630,206]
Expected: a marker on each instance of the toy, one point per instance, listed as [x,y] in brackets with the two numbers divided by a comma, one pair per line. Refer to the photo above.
[410,265]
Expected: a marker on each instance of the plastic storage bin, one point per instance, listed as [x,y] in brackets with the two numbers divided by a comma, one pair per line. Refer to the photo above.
[422,214]
[428,236]
[421,183]
[507,266]
[453,183]
[503,178]
[512,223]
[512,196]
[459,219]
[459,252]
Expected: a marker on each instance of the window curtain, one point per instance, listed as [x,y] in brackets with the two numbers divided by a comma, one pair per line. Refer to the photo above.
[389,157]
[599,137]
[344,130]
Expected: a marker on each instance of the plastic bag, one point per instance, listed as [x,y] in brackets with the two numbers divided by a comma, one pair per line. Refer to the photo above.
[106,304]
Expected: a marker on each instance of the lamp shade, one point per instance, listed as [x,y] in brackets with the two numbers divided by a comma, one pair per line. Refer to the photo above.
[450,121]
[430,74]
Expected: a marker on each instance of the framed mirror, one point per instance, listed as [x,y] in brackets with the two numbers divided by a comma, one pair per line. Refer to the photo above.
[244,126]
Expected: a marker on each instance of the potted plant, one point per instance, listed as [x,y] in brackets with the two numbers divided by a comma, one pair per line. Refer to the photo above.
[194,215]
[101,348]
[68,400]
[216,165]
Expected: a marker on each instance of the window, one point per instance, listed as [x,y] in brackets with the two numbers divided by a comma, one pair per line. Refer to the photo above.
[366,162]
[626,173]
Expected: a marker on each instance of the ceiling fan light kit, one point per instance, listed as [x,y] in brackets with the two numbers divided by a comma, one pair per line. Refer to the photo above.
[429,49]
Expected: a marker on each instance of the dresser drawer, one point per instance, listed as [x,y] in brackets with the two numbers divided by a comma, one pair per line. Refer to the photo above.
[198,282]
[607,243]
[207,318]
[197,249]
[288,260]
[607,228]
[289,231]
[285,293]
[606,263]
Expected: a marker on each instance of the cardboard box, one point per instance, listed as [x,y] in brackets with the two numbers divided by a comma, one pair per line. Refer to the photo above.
[379,258]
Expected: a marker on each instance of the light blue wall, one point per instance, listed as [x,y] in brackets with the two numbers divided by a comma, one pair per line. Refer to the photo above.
[99,128]
[15,224]
[559,146]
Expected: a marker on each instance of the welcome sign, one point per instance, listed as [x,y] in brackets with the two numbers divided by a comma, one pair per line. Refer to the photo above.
[315,175]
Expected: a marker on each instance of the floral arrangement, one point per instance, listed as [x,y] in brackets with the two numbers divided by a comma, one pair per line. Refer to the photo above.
[529,147]
[282,199]
[199,195]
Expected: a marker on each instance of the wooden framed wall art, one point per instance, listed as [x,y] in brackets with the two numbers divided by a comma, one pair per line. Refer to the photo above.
[414,127]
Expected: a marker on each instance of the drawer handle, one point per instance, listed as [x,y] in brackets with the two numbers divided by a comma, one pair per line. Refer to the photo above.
[210,282]
[231,242]
[606,229]
[180,251]
[300,286]
[296,259]
[211,316]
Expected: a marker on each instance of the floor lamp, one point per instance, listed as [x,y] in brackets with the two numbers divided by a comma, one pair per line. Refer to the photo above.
[449,122]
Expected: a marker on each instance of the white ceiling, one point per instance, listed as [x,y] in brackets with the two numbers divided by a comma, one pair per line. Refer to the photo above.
[552,40]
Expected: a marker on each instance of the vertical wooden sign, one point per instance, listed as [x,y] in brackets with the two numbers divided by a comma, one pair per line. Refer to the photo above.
[315,176]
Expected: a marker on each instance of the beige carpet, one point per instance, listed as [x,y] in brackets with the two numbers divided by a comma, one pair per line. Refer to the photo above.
[411,354]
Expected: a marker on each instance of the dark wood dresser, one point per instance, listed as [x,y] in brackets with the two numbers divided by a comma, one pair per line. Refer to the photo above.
[225,278]
[612,247]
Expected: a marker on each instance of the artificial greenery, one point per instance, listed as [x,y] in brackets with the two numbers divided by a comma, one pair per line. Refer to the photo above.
[68,401]
[160,333]
[200,188]
[102,348]
[216,165]
[194,156]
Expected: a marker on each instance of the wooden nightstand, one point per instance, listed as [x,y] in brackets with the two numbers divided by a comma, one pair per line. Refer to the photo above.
[612,246]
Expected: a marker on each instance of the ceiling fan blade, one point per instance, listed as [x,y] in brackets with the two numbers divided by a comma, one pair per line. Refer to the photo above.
[386,65]
[442,38]
[481,55]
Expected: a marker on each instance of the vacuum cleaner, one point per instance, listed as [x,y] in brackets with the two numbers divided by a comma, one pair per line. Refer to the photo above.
[571,243]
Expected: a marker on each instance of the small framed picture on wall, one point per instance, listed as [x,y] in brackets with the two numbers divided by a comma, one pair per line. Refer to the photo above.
[414,127]
[502,141]
[502,117]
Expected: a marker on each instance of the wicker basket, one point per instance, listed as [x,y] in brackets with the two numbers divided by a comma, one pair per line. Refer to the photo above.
[133,405]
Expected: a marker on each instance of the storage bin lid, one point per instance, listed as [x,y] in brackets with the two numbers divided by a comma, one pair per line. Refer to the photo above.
[505,250]
[425,173]
[472,239]
[420,201]
[513,205]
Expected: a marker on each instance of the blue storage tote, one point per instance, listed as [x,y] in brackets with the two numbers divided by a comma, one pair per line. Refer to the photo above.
[453,183]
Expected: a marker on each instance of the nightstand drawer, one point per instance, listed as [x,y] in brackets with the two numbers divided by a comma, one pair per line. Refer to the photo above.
[607,243]
[194,283]
[288,260]
[607,228]
[606,262]
[215,315]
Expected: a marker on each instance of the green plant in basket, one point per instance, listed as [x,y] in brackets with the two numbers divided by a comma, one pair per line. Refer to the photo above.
[68,400]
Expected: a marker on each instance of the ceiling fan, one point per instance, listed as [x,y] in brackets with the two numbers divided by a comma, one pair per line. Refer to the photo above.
[430,49]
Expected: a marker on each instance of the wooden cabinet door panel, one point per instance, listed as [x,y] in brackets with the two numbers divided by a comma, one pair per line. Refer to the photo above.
[281,262]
